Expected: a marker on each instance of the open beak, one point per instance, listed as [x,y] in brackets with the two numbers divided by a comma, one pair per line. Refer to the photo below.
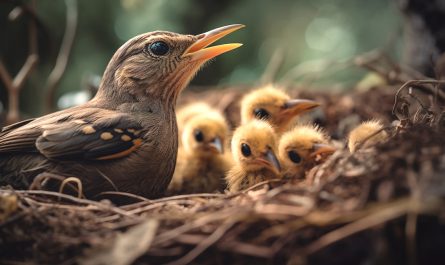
[270,158]
[217,145]
[322,149]
[199,50]
[298,106]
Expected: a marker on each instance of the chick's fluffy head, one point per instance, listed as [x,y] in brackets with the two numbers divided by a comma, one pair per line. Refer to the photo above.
[369,133]
[205,134]
[267,100]
[260,138]
[297,145]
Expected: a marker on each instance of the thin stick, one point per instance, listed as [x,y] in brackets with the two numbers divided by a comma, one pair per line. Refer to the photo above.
[273,66]
[410,83]
[75,180]
[391,212]
[76,200]
[124,194]
[64,53]
[410,232]
[14,85]
[204,244]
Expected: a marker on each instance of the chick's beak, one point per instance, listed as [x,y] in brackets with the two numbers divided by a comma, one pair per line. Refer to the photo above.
[217,144]
[322,149]
[198,50]
[298,106]
[270,158]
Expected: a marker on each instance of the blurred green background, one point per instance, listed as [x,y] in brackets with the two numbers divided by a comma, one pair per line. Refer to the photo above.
[305,33]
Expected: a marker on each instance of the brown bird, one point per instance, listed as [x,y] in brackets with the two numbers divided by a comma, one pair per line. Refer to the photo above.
[125,138]
[253,148]
[367,134]
[202,162]
[301,148]
[275,106]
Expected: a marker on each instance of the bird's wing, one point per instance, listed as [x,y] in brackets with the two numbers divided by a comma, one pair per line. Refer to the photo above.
[11,127]
[97,136]
[13,138]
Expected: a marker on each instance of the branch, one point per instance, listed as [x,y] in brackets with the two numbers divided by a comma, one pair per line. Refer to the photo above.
[63,56]
[14,85]
[273,67]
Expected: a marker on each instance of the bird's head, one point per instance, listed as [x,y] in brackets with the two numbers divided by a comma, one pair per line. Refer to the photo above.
[160,63]
[367,134]
[205,135]
[299,148]
[254,147]
[275,106]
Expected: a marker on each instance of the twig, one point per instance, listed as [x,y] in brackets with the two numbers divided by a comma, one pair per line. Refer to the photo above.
[416,83]
[273,66]
[410,231]
[205,244]
[99,205]
[14,85]
[63,56]
[123,194]
[390,212]
[72,180]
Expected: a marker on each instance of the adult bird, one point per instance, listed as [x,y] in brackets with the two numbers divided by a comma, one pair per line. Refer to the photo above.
[125,138]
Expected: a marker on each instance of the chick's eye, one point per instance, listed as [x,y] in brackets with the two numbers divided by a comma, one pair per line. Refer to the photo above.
[159,48]
[245,150]
[199,136]
[294,157]
[261,113]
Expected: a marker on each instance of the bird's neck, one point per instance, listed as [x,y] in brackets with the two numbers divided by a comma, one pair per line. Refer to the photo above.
[112,94]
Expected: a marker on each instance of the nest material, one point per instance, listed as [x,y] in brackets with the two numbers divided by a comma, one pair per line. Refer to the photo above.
[379,205]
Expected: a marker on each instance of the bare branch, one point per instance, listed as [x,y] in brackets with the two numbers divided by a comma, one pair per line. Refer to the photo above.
[14,85]
[64,53]
[273,66]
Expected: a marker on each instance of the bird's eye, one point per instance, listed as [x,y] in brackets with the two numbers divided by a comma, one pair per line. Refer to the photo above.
[159,48]
[261,113]
[294,157]
[199,136]
[245,150]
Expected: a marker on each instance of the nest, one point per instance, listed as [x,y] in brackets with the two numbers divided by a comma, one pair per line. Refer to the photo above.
[383,204]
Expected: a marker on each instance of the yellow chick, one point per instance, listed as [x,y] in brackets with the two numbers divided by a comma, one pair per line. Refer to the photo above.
[367,134]
[202,163]
[301,148]
[189,111]
[253,148]
[275,106]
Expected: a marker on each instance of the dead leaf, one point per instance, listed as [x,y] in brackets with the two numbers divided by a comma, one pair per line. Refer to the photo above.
[126,247]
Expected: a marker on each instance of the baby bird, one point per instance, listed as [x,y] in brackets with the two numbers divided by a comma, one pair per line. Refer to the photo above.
[202,163]
[300,149]
[367,134]
[253,148]
[274,106]
[185,113]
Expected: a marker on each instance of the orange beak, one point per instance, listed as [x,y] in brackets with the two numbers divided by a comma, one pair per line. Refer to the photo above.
[199,49]
[322,149]
[270,158]
[299,106]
